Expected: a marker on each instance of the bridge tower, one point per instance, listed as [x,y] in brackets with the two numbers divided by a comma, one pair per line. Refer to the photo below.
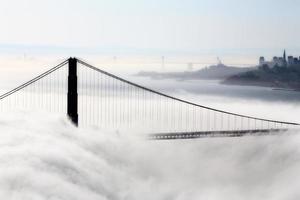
[72,104]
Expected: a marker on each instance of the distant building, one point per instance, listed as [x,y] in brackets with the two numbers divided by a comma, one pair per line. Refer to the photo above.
[261,60]
[290,60]
[280,61]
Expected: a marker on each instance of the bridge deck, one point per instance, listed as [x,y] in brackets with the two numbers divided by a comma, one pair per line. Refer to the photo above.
[206,134]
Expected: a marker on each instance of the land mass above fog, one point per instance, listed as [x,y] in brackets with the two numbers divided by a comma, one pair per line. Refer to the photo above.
[276,77]
[214,72]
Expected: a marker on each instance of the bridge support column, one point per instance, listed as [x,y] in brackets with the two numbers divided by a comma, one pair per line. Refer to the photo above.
[72,104]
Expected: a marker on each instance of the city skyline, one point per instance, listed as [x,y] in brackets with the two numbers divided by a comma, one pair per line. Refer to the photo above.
[285,60]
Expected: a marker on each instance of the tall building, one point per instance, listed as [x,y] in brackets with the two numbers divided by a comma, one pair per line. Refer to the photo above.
[284,61]
[261,60]
[290,60]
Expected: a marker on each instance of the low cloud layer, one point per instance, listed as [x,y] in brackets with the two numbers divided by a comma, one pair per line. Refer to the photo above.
[47,158]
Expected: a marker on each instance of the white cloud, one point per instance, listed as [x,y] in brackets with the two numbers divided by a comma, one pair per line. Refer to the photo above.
[47,158]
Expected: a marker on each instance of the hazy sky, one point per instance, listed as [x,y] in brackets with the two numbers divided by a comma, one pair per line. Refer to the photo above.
[170,25]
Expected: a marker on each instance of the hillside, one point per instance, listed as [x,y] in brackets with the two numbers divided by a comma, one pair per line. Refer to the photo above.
[214,72]
[279,77]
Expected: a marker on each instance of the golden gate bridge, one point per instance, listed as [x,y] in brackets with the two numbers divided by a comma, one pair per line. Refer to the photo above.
[92,97]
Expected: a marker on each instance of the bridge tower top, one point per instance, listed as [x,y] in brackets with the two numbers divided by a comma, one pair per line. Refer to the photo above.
[72,106]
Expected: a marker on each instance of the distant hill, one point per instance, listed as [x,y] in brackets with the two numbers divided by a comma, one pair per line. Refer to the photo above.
[277,77]
[214,72]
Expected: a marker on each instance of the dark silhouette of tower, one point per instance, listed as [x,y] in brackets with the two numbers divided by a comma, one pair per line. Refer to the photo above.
[72,106]
[284,56]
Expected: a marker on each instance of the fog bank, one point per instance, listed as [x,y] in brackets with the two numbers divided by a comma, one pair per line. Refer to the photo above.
[47,158]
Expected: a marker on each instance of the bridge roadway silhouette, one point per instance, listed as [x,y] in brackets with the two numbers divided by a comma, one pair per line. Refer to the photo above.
[92,97]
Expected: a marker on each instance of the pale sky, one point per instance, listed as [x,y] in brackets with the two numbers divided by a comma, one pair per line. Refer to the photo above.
[160,25]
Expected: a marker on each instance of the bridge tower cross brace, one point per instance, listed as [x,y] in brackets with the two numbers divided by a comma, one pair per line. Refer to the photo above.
[72,104]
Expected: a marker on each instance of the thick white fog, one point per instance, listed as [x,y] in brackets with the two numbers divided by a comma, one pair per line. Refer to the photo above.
[44,157]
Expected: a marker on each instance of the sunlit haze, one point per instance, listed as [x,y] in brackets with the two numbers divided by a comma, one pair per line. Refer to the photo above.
[192,27]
